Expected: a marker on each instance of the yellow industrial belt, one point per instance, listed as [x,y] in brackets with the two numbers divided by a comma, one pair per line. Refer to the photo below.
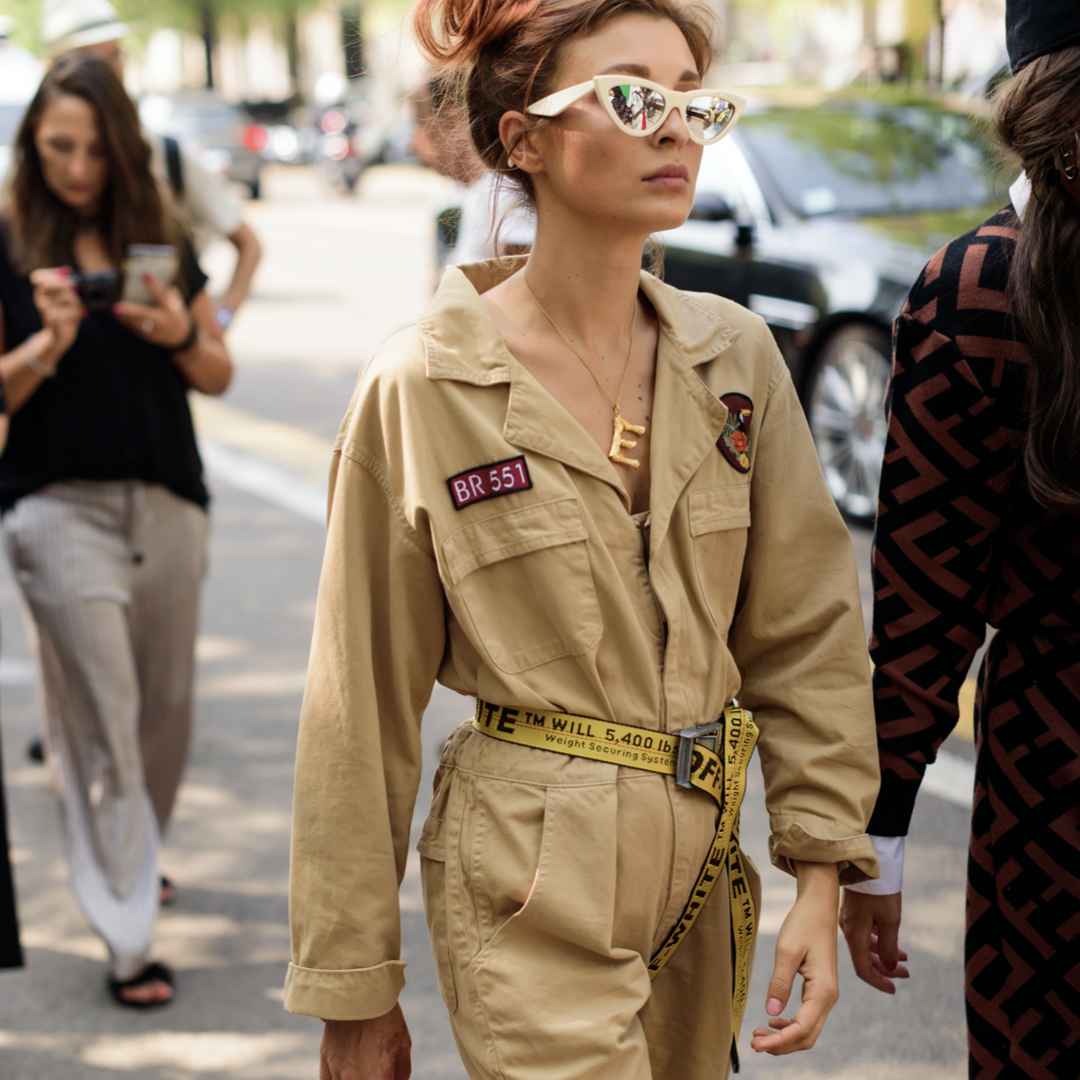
[712,758]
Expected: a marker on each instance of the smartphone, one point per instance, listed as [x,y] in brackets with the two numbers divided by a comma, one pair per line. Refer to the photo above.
[160,260]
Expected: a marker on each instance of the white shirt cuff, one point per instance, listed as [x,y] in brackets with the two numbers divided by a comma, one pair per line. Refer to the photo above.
[890,856]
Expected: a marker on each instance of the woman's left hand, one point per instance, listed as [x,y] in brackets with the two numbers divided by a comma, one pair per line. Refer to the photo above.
[167,323]
[806,946]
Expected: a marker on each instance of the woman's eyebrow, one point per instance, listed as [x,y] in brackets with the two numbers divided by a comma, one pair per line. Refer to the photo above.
[641,70]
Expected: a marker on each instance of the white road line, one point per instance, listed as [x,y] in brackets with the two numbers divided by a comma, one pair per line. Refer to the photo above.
[951,778]
[267,481]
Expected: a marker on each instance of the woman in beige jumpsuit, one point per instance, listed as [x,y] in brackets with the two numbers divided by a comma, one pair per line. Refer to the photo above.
[484,532]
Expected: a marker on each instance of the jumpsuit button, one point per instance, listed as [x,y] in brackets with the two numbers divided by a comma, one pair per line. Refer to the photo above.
[137,559]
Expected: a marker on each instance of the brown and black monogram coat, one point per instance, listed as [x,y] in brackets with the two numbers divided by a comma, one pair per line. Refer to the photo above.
[961,545]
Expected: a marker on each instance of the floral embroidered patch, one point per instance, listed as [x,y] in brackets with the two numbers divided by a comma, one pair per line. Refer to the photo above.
[734,442]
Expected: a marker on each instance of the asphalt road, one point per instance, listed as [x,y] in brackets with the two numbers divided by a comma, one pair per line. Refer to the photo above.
[340,275]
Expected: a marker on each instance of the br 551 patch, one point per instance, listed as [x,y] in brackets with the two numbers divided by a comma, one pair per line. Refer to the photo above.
[489,482]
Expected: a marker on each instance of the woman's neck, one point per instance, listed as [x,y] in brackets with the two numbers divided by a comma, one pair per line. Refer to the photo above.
[586,279]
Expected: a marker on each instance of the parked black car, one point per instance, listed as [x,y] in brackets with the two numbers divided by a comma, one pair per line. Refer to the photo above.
[819,219]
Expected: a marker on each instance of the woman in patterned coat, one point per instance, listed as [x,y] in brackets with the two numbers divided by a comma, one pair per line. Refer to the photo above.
[979,525]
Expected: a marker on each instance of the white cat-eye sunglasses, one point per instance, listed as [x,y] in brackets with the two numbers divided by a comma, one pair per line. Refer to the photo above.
[639,107]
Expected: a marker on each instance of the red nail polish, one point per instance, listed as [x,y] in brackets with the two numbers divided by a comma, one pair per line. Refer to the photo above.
[890,966]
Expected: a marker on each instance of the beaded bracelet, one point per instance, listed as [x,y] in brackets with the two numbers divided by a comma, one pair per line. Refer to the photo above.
[33,362]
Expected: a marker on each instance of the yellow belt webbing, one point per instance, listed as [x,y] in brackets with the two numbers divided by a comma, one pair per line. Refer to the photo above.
[720,773]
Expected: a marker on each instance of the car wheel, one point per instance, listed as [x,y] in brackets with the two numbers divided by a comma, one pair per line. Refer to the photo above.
[845,405]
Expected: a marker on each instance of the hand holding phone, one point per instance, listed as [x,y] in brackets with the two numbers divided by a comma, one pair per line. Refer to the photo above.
[160,261]
[163,318]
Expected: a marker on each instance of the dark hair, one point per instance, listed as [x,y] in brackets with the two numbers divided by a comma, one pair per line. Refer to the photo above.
[1036,113]
[134,210]
[511,49]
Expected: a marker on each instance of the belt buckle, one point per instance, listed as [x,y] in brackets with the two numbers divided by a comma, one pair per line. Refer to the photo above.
[703,735]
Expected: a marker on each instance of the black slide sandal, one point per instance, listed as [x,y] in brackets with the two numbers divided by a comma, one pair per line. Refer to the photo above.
[155,971]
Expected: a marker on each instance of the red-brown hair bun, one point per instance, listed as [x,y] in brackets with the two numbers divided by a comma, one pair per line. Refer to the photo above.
[454,31]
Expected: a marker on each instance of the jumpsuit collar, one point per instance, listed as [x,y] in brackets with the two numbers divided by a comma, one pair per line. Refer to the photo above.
[462,343]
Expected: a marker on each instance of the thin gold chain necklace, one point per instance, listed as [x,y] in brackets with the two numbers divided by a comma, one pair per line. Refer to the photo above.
[618,443]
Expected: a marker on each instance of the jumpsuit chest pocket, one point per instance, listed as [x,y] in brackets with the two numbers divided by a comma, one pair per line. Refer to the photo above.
[524,581]
[719,520]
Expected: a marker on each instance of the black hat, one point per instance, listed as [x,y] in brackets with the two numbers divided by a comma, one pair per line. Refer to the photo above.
[1034,28]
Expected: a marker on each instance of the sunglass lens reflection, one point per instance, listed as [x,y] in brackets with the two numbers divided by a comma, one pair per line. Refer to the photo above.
[709,117]
[638,107]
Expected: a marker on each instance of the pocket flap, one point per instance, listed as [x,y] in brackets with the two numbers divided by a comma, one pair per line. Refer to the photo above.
[432,844]
[516,532]
[720,508]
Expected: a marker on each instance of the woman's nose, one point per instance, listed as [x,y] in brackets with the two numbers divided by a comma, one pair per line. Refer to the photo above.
[674,128]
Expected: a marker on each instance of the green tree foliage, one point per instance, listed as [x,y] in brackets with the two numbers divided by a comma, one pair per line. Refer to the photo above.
[27,16]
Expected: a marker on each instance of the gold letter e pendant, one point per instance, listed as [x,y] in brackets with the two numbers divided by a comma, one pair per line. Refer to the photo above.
[618,442]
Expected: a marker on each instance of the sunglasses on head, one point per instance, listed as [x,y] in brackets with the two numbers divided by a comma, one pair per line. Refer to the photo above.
[639,107]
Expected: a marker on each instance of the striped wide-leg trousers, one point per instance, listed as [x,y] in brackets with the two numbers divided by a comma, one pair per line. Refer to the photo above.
[111,573]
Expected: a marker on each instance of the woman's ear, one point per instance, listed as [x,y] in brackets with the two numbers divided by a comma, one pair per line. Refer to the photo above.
[515,132]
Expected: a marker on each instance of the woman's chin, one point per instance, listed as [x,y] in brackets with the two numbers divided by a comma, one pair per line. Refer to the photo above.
[80,202]
[666,222]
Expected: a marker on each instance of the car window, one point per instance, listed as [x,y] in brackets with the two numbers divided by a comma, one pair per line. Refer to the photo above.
[862,159]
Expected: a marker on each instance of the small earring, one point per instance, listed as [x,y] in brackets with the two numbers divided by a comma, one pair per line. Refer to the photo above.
[510,163]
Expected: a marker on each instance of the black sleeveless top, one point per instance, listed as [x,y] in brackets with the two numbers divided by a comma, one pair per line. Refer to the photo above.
[116,410]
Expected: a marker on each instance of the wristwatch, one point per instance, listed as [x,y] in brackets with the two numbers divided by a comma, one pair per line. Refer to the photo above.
[224,317]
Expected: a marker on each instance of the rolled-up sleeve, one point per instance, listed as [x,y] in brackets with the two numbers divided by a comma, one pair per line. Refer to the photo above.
[799,642]
[378,640]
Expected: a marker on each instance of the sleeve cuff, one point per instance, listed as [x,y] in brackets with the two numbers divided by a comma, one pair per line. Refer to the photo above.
[349,994]
[853,853]
[890,854]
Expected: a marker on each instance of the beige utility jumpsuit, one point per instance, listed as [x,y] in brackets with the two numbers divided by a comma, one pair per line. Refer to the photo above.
[479,537]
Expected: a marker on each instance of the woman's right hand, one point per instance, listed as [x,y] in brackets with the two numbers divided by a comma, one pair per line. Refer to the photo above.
[58,305]
[871,926]
[376,1049]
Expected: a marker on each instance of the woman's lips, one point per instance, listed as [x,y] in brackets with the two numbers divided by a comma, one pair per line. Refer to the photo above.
[673,177]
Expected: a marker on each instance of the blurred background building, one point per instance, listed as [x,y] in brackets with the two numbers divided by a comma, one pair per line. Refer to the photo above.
[835,42]
[302,50]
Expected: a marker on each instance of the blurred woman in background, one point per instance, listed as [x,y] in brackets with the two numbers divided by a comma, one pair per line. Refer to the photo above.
[101,489]
[484,216]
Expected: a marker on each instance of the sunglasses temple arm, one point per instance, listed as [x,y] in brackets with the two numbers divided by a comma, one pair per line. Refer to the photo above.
[556,103]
